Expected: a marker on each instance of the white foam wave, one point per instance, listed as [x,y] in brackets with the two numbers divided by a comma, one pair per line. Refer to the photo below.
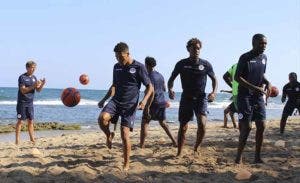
[173,105]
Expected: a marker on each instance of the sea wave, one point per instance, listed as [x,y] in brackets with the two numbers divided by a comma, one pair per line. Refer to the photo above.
[173,105]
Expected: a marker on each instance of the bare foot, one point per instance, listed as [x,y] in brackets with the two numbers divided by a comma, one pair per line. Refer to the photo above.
[126,167]
[258,161]
[238,160]
[109,140]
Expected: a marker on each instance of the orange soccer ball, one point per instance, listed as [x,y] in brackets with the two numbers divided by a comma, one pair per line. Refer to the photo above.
[84,79]
[70,97]
[274,91]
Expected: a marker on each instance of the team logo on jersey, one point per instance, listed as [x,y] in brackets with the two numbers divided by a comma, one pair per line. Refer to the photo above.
[201,67]
[132,70]
[263,61]
[240,116]
[297,89]
[33,79]
[19,116]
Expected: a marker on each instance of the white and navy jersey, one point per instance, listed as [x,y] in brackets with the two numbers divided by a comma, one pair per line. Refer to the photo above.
[193,75]
[158,83]
[127,80]
[27,81]
[292,91]
[251,67]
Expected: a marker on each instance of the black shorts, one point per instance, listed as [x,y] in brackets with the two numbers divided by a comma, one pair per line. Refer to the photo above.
[290,107]
[189,106]
[25,112]
[127,114]
[251,108]
[157,112]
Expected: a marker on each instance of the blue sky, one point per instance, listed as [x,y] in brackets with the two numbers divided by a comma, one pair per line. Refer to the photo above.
[68,38]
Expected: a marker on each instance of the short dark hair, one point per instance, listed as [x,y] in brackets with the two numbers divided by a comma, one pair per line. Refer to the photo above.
[193,42]
[293,74]
[257,37]
[30,63]
[150,61]
[121,47]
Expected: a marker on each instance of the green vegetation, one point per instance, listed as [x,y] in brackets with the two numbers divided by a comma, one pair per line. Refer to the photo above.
[41,126]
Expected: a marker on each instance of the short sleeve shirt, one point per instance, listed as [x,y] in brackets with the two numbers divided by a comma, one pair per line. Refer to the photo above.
[158,83]
[27,81]
[293,92]
[127,80]
[251,67]
[234,83]
[193,75]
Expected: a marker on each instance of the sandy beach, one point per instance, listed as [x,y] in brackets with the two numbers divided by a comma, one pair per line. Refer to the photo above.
[83,157]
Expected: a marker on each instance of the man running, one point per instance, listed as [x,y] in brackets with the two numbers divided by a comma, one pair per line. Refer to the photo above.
[251,105]
[128,74]
[193,73]
[292,91]
[157,103]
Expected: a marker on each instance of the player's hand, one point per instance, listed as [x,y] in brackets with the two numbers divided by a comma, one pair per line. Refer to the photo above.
[269,89]
[141,105]
[101,104]
[171,94]
[211,97]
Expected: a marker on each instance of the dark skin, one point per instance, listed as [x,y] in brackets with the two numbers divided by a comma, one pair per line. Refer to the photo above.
[194,52]
[147,118]
[284,117]
[105,118]
[259,47]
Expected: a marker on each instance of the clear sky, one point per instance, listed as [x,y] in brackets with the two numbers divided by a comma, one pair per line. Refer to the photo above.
[70,37]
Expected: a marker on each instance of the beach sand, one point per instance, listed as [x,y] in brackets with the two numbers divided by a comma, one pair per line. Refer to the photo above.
[83,157]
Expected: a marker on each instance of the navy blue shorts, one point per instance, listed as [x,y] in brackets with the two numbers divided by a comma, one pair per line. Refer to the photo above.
[290,107]
[232,108]
[127,113]
[157,112]
[25,112]
[189,106]
[251,108]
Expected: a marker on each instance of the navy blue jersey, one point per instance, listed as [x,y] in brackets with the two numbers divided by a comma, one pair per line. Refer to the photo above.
[127,80]
[251,67]
[293,92]
[193,75]
[27,81]
[158,83]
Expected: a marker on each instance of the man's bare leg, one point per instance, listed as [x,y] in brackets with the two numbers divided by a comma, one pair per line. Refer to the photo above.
[103,121]
[144,132]
[260,128]
[126,146]
[181,138]
[31,130]
[18,131]
[200,131]
[164,125]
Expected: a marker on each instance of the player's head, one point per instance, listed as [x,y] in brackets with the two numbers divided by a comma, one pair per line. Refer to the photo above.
[259,43]
[150,63]
[122,52]
[30,67]
[193,46]
[292,77]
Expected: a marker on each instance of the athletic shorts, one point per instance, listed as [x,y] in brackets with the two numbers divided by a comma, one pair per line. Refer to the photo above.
[157,112]
[251,108]
[25,112]
[290,107]
[190,106]
[127,114]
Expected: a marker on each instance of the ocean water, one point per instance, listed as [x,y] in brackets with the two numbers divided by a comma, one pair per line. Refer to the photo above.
[48,107]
